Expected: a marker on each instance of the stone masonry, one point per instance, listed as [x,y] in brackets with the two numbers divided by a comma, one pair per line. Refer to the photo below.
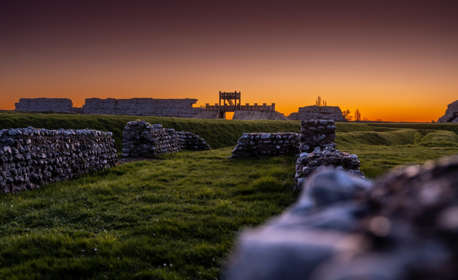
[266,144]
[402,226]
[144,140]
[192,142]
[318,112]
[318,149]
[45,105]
[32,157]
[142,107]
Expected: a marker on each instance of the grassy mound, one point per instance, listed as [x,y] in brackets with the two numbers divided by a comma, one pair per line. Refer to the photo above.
[396,137]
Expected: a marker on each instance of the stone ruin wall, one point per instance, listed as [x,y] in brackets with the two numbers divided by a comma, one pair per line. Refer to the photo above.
[135,106]
[451,115]
[317,149]
[266,144]
[401,226]
[144,140]
[314,144]
[318,112]
[45,105]
[255,115]
[32,157]
[142,107]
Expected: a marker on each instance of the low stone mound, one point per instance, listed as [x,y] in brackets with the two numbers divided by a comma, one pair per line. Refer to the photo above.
[31,157]
[403,226]
[191,141]
[266,144]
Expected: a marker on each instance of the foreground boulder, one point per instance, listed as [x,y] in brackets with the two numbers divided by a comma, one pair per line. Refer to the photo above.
[451,115]
[402,226]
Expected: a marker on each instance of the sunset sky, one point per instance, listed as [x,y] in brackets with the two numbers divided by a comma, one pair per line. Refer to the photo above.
[394,60]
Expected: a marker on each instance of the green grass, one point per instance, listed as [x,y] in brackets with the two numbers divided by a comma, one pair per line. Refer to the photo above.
[218,133]
[174,217]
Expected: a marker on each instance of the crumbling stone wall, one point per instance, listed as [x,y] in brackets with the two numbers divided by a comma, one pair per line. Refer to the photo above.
[451,115]
[317,133]
[266,144]
[318,112]
[45,105]
[32,157]
[402,226]
[144,140]
[192,142]
[142,107]
[318,149]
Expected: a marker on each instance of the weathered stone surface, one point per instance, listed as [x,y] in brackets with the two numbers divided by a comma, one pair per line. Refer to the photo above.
[318,112]
[45,105]
[402,226]
[144,140]
[266,144]
[451,115]
[258,115]
[317,133]
[318,149]
[192,142]
[32,157]
[142,107]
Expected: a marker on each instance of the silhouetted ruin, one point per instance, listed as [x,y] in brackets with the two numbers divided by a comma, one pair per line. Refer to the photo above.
[451,115]
[318,112]
[228,102]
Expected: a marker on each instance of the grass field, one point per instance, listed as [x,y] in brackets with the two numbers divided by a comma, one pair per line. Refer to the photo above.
[174,217]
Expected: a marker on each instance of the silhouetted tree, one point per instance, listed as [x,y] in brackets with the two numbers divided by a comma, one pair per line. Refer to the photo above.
[318,101]
[357,115]
[346,114]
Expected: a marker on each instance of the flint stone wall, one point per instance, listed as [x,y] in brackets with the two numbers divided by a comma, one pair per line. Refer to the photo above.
[318,149]
[31,157]
[317,133]
[45,105]
[144,140]
[451,115]
[142,107]
[192,142]
[318,112]
[266,144]
[402,226]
